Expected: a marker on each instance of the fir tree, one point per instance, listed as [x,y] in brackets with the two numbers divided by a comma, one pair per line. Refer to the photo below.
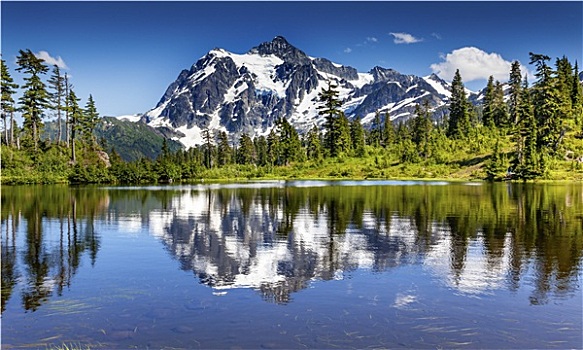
[57,96]
[260,144]
[224,150]
[208,148]
[330,110]
[313,143]
[273,148]
[35,96]
[376,131]
[422,128]
[246,150]
[488,106]
[459,109]
[546,102]
[290,145]
[88,124]
[7,102]
[388,131]
[499,109]
[514,82]
[564,86]
[577,97]
[75,116]
[525,162]
[344,141]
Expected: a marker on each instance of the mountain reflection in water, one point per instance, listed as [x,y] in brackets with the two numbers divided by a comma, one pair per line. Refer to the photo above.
[277,238]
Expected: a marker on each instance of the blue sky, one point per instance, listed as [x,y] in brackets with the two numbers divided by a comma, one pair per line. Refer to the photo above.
[126,53]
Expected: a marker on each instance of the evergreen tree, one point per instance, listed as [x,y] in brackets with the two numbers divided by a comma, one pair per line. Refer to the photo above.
[57,96]
[75,116]
[496,166]
[357,136]
[344,141]
[564,85]
[224,150]
[546,101]
[261,150]
[330,110]
[7,102]
[273,148]
[577,96]
[499,108]
[290,145]
[514,82]
[35,96]
[488,106]
[376,131]
[422,128]
[388,131]
[68,88]
[459,109]
[525,162]
[246,150]
[313,144]
[208,148]
[88,124]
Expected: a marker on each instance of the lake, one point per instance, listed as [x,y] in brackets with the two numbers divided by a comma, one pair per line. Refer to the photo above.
[296,264]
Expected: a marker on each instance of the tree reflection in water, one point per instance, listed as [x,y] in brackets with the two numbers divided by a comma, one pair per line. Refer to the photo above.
[50,257]
[278,239]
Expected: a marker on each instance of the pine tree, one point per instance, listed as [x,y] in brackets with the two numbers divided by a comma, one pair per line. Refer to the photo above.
[260,144]
[459,109]
[246,150]
[344,141]
[224,150]
[88,124]
[514,82]
[330,110]
[7,102]
[313,143]
[357,136]
[577,96]
[564,85]
[208,148]
[488,106]
[35,96]
[376,131]
[546,101]
[422,128]
[57,96]
[388,131]
[273,148]
[500,111]
[75,115]
[525,162]
[289,141]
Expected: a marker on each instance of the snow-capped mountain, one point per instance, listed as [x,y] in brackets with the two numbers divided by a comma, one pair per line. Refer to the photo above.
[225,91]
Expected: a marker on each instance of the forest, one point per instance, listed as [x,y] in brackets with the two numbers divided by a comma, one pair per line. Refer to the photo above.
[521,131]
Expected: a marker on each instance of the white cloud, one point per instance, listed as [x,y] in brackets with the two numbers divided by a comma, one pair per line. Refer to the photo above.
[51,61]
[347,50]
[436,36]
[474,64]
[404,38]
[372,39]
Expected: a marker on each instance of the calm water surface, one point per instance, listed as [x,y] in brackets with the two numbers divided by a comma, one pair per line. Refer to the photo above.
[303,264]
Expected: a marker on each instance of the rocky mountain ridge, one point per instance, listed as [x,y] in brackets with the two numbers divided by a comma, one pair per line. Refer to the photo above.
[237,93]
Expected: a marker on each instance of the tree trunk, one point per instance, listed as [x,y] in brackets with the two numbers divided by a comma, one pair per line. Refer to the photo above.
[11,128]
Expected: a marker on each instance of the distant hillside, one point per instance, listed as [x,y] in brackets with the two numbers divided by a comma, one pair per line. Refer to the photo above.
[131,140]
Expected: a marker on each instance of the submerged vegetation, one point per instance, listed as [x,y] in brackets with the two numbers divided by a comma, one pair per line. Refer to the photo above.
[531,132]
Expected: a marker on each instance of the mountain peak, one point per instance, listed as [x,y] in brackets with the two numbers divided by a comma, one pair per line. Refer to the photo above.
[281,48]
